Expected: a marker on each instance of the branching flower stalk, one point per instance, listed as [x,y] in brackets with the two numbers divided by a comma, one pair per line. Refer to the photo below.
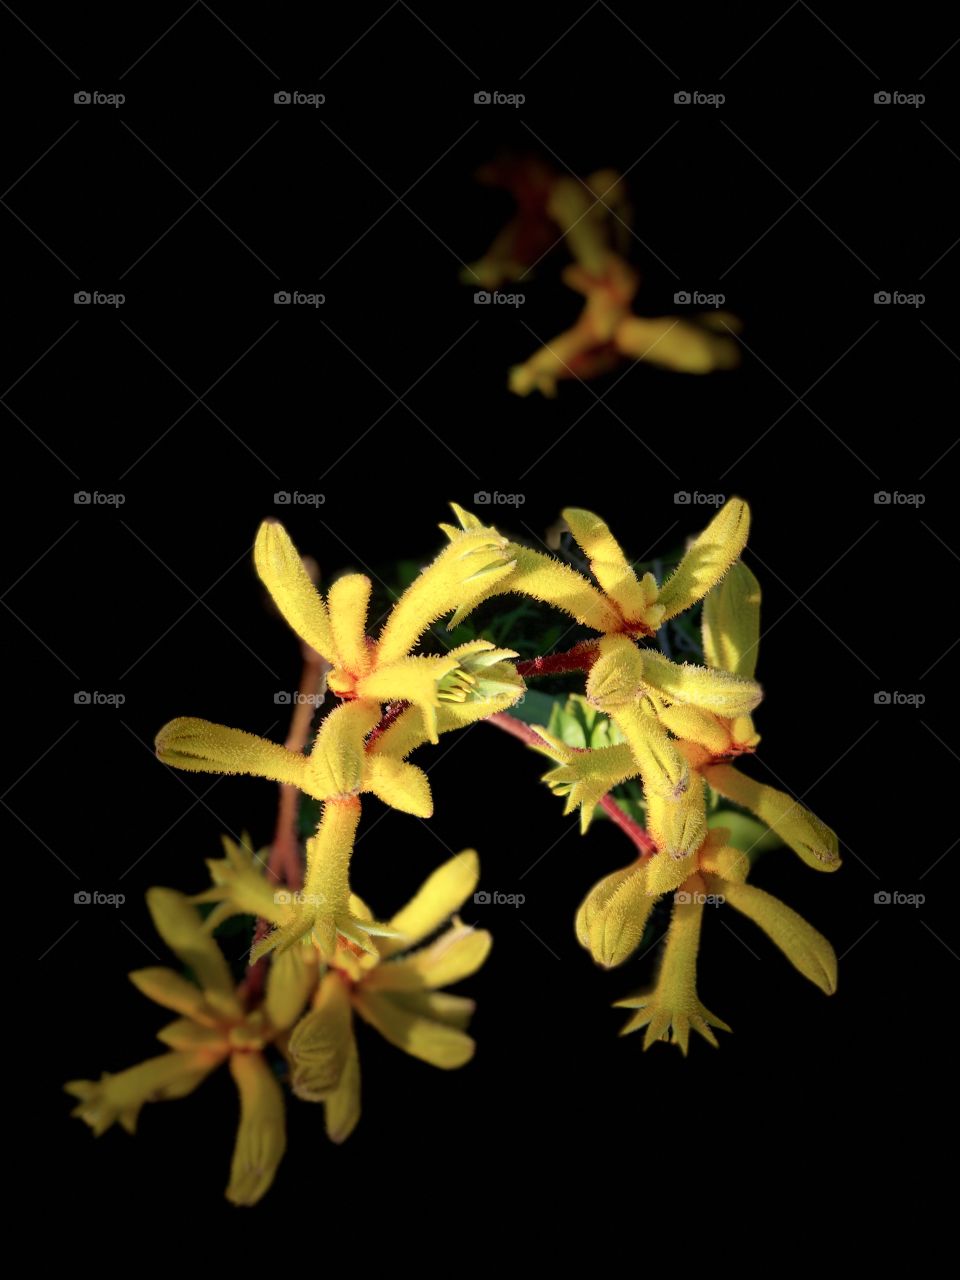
[651,743]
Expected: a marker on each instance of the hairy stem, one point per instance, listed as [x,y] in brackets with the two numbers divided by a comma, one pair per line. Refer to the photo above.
[580,658]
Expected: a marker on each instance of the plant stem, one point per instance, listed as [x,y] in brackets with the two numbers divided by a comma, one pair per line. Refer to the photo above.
[580,658]
[639,835]
[284,864]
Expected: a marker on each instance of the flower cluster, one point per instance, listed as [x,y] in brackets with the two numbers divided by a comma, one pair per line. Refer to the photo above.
[676,728]
[320,956]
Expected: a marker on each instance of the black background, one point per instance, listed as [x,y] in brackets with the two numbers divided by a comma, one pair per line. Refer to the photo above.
[798,198]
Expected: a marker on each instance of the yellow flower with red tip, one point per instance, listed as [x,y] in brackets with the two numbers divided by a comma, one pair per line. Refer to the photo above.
[213,1028]
[396,990]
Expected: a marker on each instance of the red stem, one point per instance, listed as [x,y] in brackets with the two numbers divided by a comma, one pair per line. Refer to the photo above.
[580,658]
[633,829]
[394,711]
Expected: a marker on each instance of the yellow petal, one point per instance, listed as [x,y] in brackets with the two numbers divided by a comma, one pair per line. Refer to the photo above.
[438,1006]
[707,558]
[342,1105]
[119,1098]
[805,948]
[616,677]
[282,573]
[440,895]
[180,926]
[471,566]
[261,1137]
[796,826]
[348,600]
[694,725]
[614,916]
[402,786]
[731,622]
[555,583]
[335,764]
[609,565]
[203,747]
[320,1043]
[433,1042]
[190,1036]
[289,982]
[456,954]
[167,988]
[678,823]
[708,688]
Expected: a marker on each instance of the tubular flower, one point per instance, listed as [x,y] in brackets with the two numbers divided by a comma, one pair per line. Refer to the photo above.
[213,1028]
[673,1007]
[396,990]
[622,603]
